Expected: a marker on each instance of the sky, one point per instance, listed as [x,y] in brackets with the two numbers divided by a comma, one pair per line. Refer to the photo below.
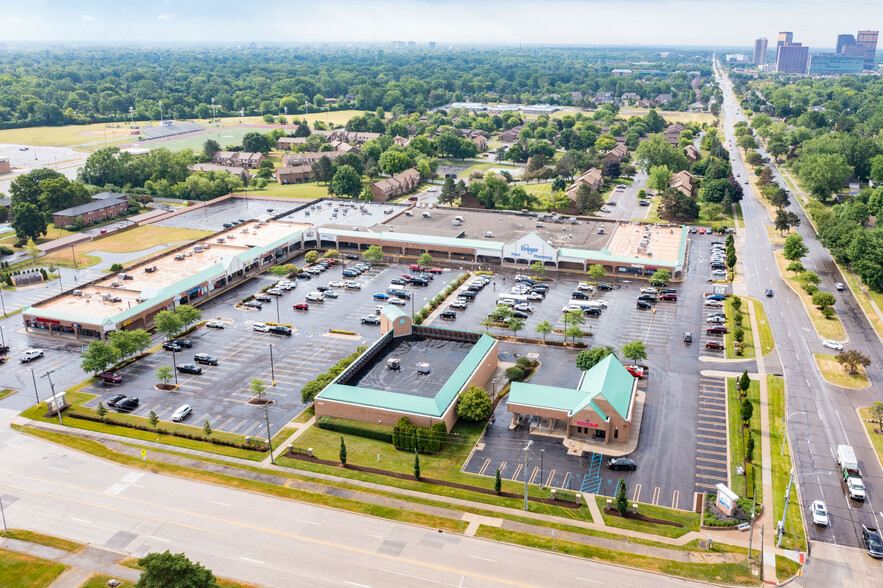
[727,23]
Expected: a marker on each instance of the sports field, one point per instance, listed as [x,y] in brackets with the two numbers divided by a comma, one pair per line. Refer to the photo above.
[223,135]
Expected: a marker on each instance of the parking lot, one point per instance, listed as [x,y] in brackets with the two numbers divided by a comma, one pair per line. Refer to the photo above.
[221,393]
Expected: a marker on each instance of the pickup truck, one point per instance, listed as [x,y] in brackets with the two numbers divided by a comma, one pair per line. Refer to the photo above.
[852,475]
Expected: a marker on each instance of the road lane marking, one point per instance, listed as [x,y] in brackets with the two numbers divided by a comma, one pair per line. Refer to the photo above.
[249,559]
[422,579]
[484,558]
[159,538]
[355,584]
[85,522]
[220,503]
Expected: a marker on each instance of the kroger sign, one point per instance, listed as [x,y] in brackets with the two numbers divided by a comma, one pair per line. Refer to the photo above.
[531,247]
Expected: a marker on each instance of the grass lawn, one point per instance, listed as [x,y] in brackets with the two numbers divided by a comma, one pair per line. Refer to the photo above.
[226,135]
[41,539]
[763,325]
[26,571]
[669,116]
[689,520]
[872,428]
[6,392]
[306,414]
[136,239]
[52,233]
[132,562]
[795,537]
[775,236]
[741,484]
[837,374]
[483,167]
[542,190]
[826,328]
[67,136]
[865,295]
[100,581]
[747,337]
[785,568]
[337,117]
[307,190]
[731,573]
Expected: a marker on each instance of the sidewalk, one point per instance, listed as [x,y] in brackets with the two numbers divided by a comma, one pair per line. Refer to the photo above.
[84,563]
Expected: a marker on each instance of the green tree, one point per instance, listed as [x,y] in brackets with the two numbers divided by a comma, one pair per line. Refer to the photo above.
[330,254]
[659,178]
[597,272]
[311,257]
[123,343]
[660,277]
[474,404]
[164,570]
[188,314]
[207,429]
[658,151]
[744,383]
[795,248]
[255,142]
[747,411]
[823,173]
[749,448]
[168,323]
[164,374]
[209,148]
[514,374]
[154,420]
[98,357]
[28,221]
[877,413]
[425,260]
[373,253]
[851,359]
[538,267]
[677,206]
[342,453]
[447,194]
[279,271]
[589,358]
[574,332]
[544,328]
[257,387]
[621,500]
[635,350]
[498,482]
[515,325]
[346,182]
[823,299]
[101,410]
[140,340]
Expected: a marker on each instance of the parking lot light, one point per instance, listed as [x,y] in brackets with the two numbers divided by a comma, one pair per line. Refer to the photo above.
[272,372]
[175,367]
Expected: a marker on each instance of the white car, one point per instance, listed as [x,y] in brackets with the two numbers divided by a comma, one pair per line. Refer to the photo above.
[30,354]
[585,286]
[182,413]
[337,284]
[350,285]
[260,327]
[716,319]
[819,513]
[395,301]
[717,303]
[833,345]
[215,325]
[571,308]
[315,297]
[459,304]
[600,302]
[285,286]
[649,291]
[534,296]
[524,307]
[839,286]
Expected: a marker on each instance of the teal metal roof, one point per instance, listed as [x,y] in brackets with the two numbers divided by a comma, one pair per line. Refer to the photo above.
[604,255]
[398,401]
[392,312]
[608,379]
[418,239]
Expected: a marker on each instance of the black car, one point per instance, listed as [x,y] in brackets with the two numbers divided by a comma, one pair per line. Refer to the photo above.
[419,282]
[593,311]
[647,297]
[873,542]
[579,295]
[397,282]
[404,295]
[351,256]
[253,304]
[622,463]
[205,358]
[520,315]
[306,276]
[643,305]
[448,314]
[769,292]
[126,404]
[183,343]
[323,288]
[171,346]
[113,400]
[605,286]
[262,298]
[228,225]
[348,273]
[189,368]
[280,330]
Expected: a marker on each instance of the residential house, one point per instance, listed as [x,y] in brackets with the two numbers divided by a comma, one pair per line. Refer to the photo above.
[344,147]
[673,133]
[238,159]
[663,98]
[295,174]
[644,103]
[604,98]
[683,182]
[592,178]
[286,143]
[402,142]
[214,167]
[480,142]
[617,154]
[400,183]
[511,135]
[693,154]
[293,159]
[630,97]
[351,137]
[110,205]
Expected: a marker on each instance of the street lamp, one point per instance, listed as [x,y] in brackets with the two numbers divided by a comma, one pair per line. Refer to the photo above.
[784,429]
[2,338]
[74,255]
[1,300]
[269,439]
[542,455]
[788,499]
[175,367]
[278,320]
[272,371]
[2,512]
[34,378]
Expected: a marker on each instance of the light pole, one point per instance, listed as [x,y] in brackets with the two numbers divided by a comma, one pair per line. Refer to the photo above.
[48,376]
[2,512]
[269,439]
[34,378]
[788,499]
[175,367]
[2,338]
[272,371]
[74,255]
[542,455]
[785,429]
[526,461]
[278,320]
[1,300]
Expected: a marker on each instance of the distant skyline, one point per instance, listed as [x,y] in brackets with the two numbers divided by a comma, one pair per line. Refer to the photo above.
[724,23]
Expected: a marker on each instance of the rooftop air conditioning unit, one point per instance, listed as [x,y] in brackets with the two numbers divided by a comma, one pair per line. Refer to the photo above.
[393,364]
[423,368]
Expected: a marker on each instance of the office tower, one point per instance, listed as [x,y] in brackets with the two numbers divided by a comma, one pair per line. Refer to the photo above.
[791,58]
[784,38]
[833,63]
[760,51]
[868,40]
[844,41]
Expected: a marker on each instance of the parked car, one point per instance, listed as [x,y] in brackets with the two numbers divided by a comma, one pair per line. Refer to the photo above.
[262,298]
[592,311]
[647,297]
[717,330]
[205,358]
[397,301]
[714,303]
[520,315]
[171,346]
[716,297]
[605,286]
[371,319]
[189,368]
[315,297]
[181,413]
[350,285]
[331,294]
[688,337]
[110,378]
[397,282]
[381,296]
[459,304]
[524,307]
[186,343]
[280,330]
[260,327]
[30,355]
[301,306]
[636,371]
[819,513]
[714,345]
[669,296]
[536,296]
[585,286]
[253,304]
[622,463]
[644,305]
[644,203]
[126,404]
[448,314]
[873,541]
[716,319]
[215,325]
[113,400]
[833,345]
[337,284]
[579,295]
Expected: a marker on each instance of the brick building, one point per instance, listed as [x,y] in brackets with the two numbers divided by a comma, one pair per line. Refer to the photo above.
[295,174]
[397,185]
[106,205]
[238,159]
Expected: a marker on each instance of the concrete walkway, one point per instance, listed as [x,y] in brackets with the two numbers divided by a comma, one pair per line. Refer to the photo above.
[82,564]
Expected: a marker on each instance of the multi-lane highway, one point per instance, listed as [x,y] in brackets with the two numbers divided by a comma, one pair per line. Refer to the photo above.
[820,415]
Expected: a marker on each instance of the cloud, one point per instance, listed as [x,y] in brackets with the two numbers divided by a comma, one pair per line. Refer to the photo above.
[165,16]
[87,17]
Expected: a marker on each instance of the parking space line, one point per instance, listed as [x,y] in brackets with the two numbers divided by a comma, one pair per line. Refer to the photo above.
[637,493]
[517,471]
[533,475]
[241,423]
[656,493]
[675,497]
[224,424]
[484,466]
[549,478]
[248,431]
[502,467]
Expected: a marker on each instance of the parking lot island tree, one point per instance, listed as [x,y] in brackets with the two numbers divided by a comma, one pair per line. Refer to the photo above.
[165,375]
[98,356]
[635,350]
[163,570]
[373,253]
[574,332]
[257,387]
[516,325]
[331,254]
[474,404]
[538,267]
[416,465]
[425,260]
[498,482]
[851,359]
[168,323]
[311,256]
[660,277]
[544,328]
[597,272]
[514,373]
[123,343]
[188,314]
[154,419]
[744,383]
[589,358]
[621,500]
[101,410]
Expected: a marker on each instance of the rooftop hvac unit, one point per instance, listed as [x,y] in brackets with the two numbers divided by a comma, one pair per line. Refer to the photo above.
[423,368]
[77,293]
[393,364]
[114,284]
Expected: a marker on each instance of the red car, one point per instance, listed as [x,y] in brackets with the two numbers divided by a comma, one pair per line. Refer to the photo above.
[301,306]
[110,378]
[673,297]
[416,268]
[701,230]
[714,345]
[407,277]
[636,371]
[435,270]
[716,330]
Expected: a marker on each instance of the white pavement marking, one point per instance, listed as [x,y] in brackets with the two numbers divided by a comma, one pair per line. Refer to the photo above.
[221,503]
[158,538]
[116,489]
[253,560]
[85,522]
[356,584]
[422,579]
[484,558]
[587,580]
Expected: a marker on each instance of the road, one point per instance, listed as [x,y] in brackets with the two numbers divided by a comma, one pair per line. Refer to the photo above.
[260,539]
[820,416]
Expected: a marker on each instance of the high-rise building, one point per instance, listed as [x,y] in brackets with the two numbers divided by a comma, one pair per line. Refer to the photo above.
[832,63]
[760,51]
[868,40]
[784,38]
[791,58]
[844,41]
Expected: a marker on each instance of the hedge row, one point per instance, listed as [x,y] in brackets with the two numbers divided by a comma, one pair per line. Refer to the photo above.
[313,387]
[424,312]
[408,437]
[359,429]
[97,419]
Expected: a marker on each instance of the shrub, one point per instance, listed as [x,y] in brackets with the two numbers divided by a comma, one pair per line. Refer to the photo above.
[4,250]
[828,313]
[359,429]
[738,334]
[737,318]
[408,437]
[515,373]
[117,267]
[810,288]
[524,363]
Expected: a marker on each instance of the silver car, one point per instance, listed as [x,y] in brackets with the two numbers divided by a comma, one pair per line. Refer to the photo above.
[182,413]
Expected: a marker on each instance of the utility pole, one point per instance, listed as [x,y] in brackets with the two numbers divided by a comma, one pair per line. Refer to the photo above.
[48,376]
[526,461]
[751,529]
[761,551]
[269,439]
[33,377]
